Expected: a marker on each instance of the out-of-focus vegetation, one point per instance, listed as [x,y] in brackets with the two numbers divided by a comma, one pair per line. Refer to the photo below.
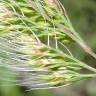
[83,16]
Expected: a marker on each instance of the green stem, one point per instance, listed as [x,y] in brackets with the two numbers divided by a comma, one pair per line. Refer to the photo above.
[88,75]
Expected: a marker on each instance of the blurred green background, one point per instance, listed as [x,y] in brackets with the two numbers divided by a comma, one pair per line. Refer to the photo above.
[82,13]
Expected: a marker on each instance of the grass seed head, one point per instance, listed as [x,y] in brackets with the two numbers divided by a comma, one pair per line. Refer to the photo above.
[23,50]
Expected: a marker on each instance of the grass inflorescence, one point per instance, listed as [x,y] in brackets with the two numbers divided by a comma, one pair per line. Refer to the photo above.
[28,29]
